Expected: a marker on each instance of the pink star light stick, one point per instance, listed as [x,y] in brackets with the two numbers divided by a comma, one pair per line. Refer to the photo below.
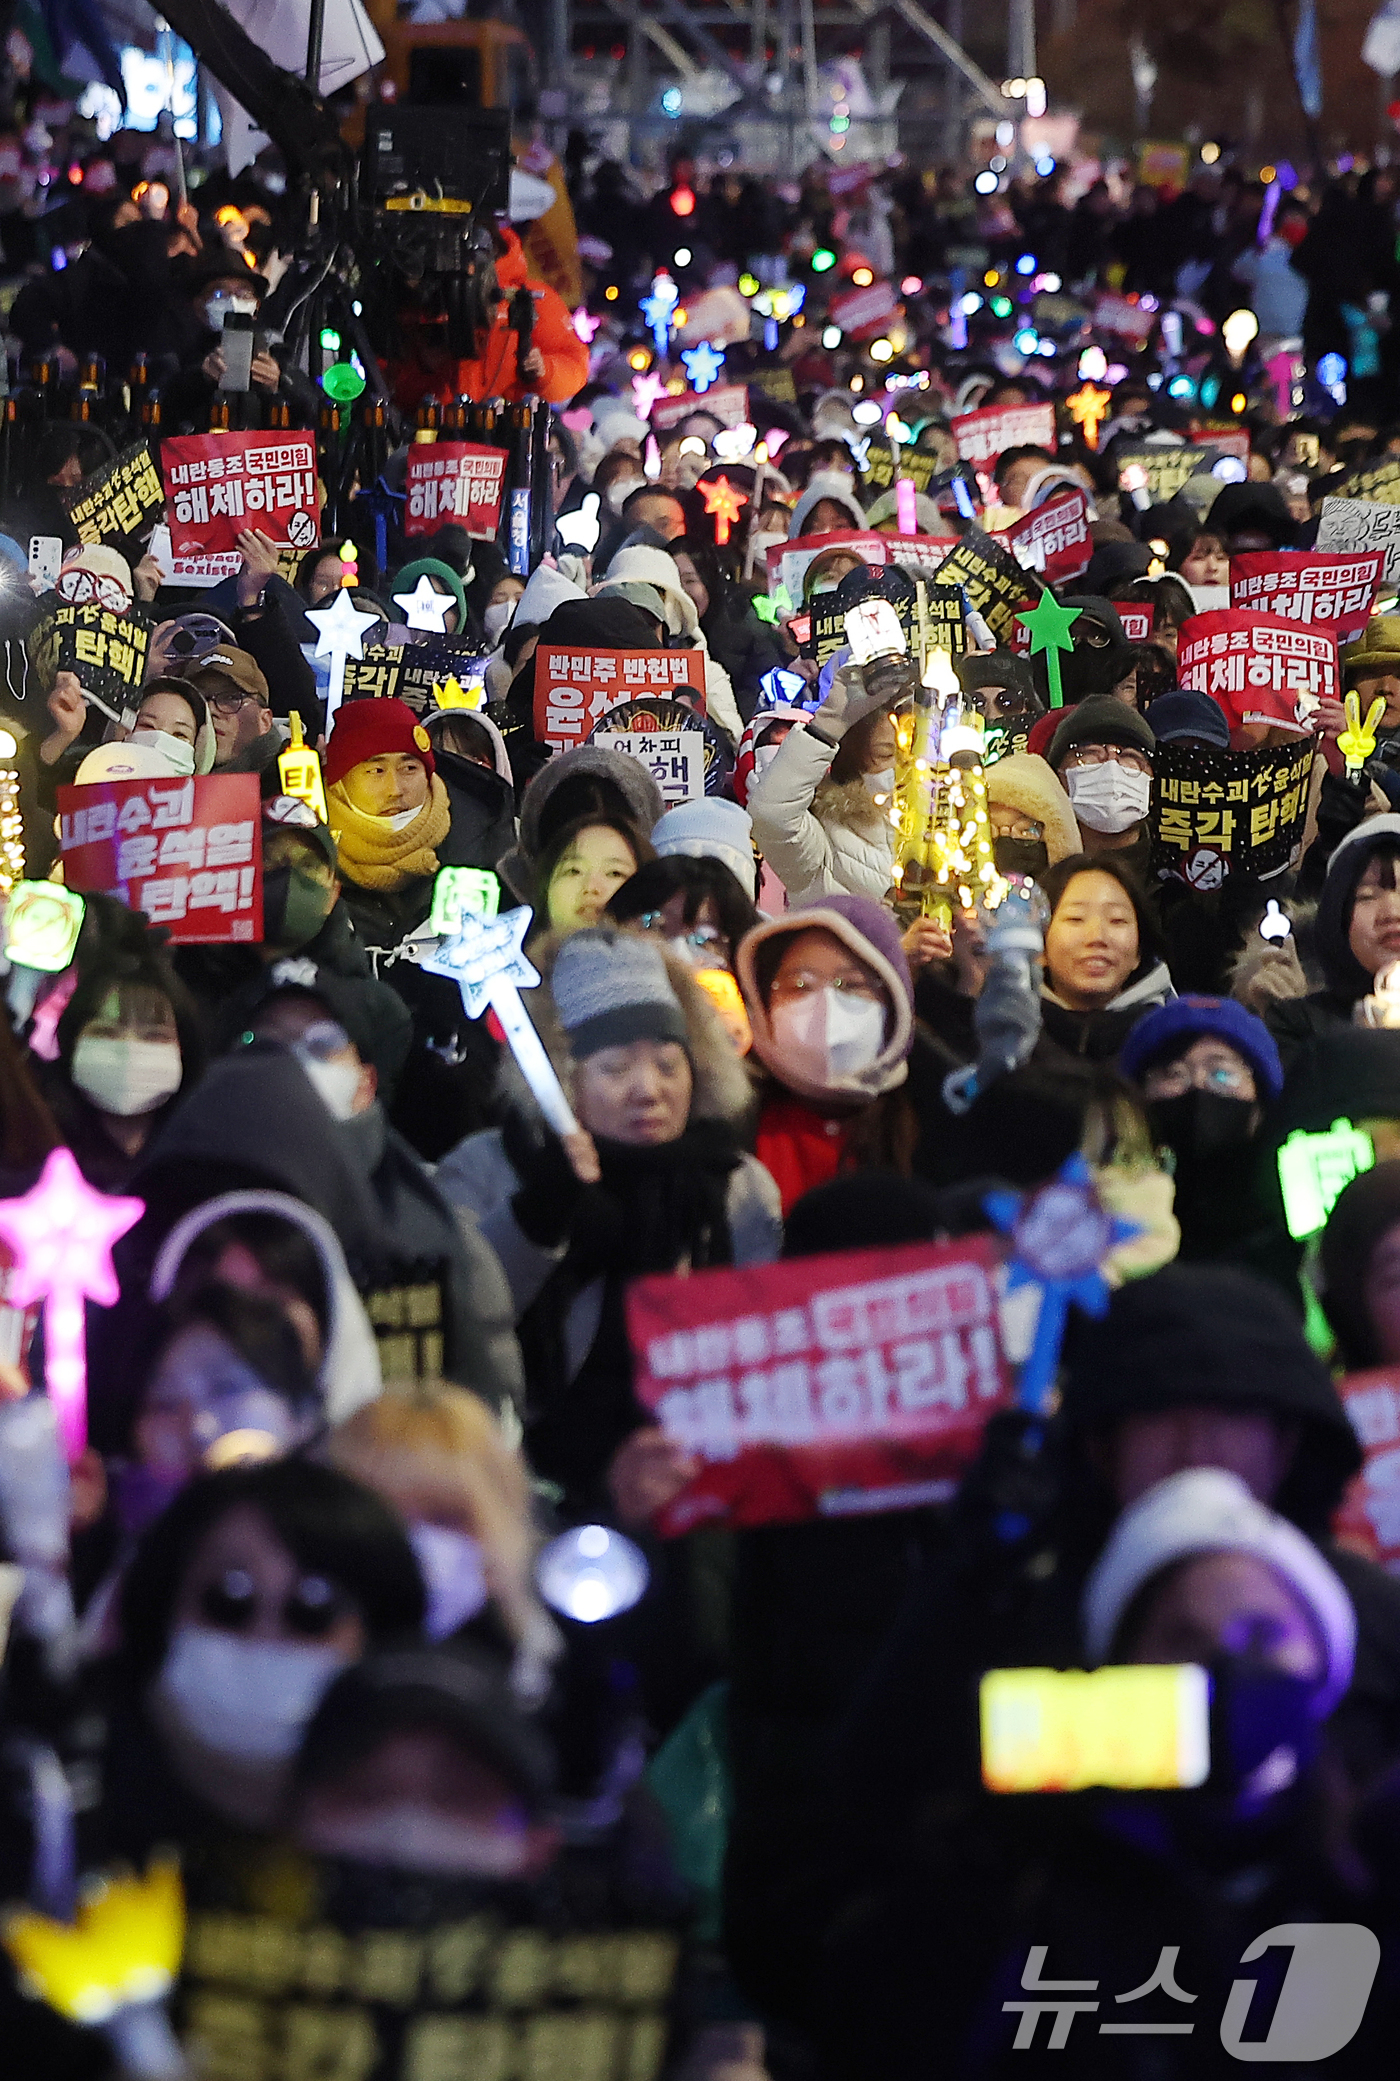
[61,1234]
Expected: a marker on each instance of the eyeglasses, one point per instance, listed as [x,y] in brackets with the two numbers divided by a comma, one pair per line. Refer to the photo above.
[1175,1079]
[1099,755]
[701,937]
[81,588]
[310,1610]
[1019,827]
[231,700]
[804,979]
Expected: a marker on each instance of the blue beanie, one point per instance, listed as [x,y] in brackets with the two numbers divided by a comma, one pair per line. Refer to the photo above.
[1192,1018]
[1182,712]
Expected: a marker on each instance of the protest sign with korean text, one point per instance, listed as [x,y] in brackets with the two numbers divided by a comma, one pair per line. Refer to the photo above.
[885,462]
[1369,1515]
[1128,320]
[996,586]
[983,436]
[574,687]
[1380,482]
[824,1386]
[1053,541]
[1336,592]
[646,720]
[944,613]
[1160,472]
[454,481]
[675,759]
[789,562]
[122,499]
[106,652]
[1134,619]
[219,485]
[863,311]
[1225,440]
[186,852]
[1261,669]
[411,673]
[1362,524]
[726,402]
[1216,813]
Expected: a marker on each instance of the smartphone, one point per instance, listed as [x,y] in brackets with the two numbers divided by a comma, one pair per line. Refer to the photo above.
[873,631]
[1139,1727]
[237,347]
[161,551]
[45,557]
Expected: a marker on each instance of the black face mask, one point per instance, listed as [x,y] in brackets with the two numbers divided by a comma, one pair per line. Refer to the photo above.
[1202,1124]
[1030,856]
[295,907]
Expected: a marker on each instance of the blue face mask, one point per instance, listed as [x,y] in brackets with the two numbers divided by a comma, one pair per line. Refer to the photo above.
[1265,1733]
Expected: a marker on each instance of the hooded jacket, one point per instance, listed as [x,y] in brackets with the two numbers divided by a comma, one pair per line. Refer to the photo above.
[493,373]
[1100,1034]
[821,837]
[348,1375]
[827,484]
[613,771]
[1294,1021]
[481,798]
[638,566]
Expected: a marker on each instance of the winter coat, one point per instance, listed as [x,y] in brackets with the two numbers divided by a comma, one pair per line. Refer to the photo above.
[493,372]
[820,837]
[482,801]
[1100,1034]
[654,567]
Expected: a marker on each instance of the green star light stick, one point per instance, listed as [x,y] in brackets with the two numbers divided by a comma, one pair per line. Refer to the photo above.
[1050,624]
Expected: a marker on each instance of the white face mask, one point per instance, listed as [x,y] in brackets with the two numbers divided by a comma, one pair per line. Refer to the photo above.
[452,1572]
[249,1700]
[496,620]
[409,1837]
[830,1034]
[218,307]
[619,493]
[178,755]
[881,783]
[126,1077]
[337,1085]
[1108,797]
[763,543]
[402,818]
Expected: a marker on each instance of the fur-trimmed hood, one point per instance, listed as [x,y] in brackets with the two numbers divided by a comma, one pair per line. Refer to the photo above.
[850,804]
[869,932]
[723,1090]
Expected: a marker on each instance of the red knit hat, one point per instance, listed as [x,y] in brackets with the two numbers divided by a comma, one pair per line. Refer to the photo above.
[374,730]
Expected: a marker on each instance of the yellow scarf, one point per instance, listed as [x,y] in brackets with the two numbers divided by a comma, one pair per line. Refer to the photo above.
[374,854]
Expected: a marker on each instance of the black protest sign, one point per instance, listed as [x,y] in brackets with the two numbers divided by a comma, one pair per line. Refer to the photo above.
[1381,483]
[776,385]
[1217,813]
[883,465]
[124,498]
[1164,470]
[105,652]
[944,608]
[995,585]
[411,674]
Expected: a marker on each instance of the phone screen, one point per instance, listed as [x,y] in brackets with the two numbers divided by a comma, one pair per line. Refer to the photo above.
[1138,1727]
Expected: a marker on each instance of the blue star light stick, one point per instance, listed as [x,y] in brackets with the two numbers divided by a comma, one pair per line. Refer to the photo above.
[657,308]
[485,958]
[702,364]
[1061,1235]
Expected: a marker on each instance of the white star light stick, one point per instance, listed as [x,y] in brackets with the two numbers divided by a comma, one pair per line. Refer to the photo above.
[425,607]
[485,959]
[339,635]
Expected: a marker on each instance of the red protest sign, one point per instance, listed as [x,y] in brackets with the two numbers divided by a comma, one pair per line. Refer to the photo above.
[863,311]
[1335,591]
[574,687]
[983,436]
[219,485]
[1054,540]
[726,402]
[1260,668]
[454,481]
[789,562]
[1136,621]
[1369,1515]
[822,1386]
[186,852]
[1226,440]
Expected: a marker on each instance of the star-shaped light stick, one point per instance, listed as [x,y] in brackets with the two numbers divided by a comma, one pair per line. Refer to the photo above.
[1088,408]
[1061,1235]
[585,324]
[725,501]
[647,391]
[1050,624]
[1358,740]
[425,607]
[485,958]
[658,308]
[340,634]
[61,1234]
[702,364]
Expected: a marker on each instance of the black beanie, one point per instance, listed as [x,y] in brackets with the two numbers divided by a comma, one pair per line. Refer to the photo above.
[1206,1334]
[1089,669]
[1349,862]
[1365,1211]
[862,1211]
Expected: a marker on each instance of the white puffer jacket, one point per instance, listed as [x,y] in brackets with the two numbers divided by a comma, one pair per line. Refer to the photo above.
[820,838]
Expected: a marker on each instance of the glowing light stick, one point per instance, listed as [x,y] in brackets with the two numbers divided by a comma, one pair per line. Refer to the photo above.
[485,958]
[905,508]
[1313,1169]
[299,770]
[122,1949]
[702,364]
[1275,923]
[340,634]
[1050,624]
[42,923]
[425,607]
[1358,740]
[724,501]
[585,324]
[462,892]
[1088,408]
[61,1234]
[647,391]
[11,822]
[658,309]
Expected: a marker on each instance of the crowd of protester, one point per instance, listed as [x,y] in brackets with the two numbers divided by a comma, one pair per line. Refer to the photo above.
[297,1621]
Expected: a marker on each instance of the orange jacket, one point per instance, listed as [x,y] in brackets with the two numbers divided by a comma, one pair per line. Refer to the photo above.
[565,356]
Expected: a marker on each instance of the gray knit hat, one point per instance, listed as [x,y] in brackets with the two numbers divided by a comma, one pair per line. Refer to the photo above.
[611,988]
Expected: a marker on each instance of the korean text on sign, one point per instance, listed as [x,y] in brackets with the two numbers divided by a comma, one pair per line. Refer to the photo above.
[1370,1512]
[1261,668]
[983,436]
[119,499]
[573,688]
[1053,541]
[454,481]
[675,759]
[1336,592]
[186,852]
[218,485]
[1216,813]
[827,1386]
